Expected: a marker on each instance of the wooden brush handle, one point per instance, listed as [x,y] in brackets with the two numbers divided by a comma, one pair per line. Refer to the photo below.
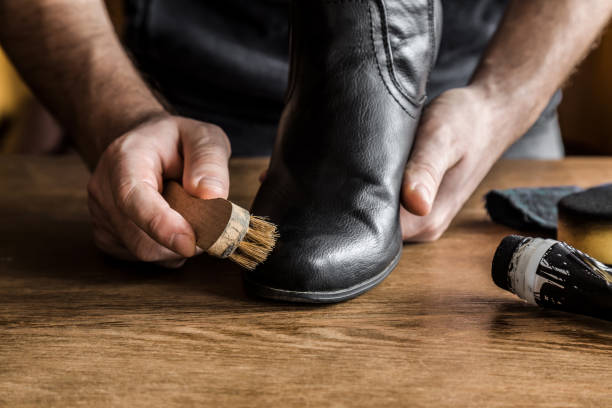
[219,225]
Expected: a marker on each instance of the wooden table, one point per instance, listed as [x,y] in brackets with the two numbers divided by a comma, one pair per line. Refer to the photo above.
[77,328]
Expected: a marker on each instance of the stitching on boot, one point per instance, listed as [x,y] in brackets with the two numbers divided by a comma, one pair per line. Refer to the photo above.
[431,15]
[345,1]
[378,65]
[294,65]
[388,52]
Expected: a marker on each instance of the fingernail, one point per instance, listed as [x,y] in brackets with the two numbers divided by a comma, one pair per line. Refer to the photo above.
[423,192]
[184,244]
[208,185]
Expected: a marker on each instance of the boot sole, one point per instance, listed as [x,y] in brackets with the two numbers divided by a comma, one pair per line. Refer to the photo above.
[320,297]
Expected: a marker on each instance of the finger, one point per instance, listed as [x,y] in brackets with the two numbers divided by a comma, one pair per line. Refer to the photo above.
[453,192]
[431,157]
[263,175]
[206,152]
[98,216]
[142,245]
[103,235]
[148,250]
[431,226]
[172,264]
[108,243]
[108,237]
[136,195]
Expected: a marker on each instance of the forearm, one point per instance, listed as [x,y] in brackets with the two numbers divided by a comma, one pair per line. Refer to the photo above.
[68,53]
[536,48]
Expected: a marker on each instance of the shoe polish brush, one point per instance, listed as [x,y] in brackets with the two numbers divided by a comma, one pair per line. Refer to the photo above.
[223,229]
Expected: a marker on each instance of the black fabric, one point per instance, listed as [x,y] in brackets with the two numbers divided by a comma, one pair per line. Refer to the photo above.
[593,204]
[528,208]
[222,62]
[227,62]
[467,29]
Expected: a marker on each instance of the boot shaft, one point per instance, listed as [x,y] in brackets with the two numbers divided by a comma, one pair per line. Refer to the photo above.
[358,75]
[331,39]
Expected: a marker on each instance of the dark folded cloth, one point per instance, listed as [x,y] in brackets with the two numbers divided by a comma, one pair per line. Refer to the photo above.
[527,208]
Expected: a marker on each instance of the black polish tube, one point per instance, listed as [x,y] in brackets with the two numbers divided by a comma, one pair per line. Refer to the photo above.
[553,274]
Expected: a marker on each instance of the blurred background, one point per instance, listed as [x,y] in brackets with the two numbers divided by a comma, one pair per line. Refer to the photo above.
[585,113]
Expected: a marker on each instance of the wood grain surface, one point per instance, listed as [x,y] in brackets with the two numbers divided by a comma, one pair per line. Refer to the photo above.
[78,328]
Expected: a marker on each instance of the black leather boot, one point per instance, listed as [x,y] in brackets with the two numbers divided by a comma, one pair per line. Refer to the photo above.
[357,84]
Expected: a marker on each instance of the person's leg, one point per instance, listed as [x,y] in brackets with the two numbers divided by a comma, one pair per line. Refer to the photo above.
[220,62]
[357,87]
[542,141]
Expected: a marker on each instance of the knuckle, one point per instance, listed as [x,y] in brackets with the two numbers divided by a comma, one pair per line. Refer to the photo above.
[165,121]
[136,141]
[124,193]
[161,127]
[209,154]
[211,169]
[144,251]
[119,146]
[215,138]
[154,224]
[430,171]
[212,130]
[432,126]
[208,164]
[435,127]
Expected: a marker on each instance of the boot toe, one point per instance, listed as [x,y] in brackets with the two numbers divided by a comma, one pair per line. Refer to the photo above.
[322,269]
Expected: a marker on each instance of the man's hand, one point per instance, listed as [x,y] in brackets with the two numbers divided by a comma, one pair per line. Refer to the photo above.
[456,145]
[70,56]
[464,131]
[130,217]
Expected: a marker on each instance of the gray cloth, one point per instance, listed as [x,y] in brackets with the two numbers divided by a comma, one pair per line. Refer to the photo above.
[226,62]
[527,209]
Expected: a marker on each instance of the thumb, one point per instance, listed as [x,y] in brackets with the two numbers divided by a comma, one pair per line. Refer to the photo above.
[423,174]
[206,151]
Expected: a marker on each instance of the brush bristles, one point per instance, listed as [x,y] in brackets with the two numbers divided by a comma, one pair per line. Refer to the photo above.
[257,243]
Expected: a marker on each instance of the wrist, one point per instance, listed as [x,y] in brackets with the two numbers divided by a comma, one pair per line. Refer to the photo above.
[507,114]
[109,130]
[511,110]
